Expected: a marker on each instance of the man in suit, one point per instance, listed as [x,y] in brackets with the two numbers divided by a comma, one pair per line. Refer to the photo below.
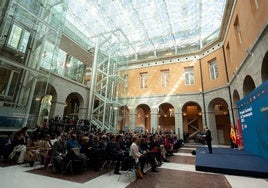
[208,139]
[59,150]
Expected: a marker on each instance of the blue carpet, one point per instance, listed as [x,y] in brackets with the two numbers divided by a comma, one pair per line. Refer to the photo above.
[230,161]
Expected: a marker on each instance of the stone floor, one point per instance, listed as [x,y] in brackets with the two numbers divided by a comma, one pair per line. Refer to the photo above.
[179,172]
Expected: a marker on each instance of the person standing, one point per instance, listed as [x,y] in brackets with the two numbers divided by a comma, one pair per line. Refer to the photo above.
[208,139]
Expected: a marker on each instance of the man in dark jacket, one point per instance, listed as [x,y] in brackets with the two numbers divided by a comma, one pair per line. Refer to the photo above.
[208,139]
[113,151]
[59,150]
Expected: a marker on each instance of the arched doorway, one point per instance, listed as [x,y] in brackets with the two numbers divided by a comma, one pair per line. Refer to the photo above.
[143,121]
[72,105]
[219,121]
[264,68]
[42,101]
[166,119]
[192,121]
[236,98]
[44,109]
[248,85]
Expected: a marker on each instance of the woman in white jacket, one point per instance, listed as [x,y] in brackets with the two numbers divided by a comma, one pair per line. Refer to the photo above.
[134,152]
[141,156]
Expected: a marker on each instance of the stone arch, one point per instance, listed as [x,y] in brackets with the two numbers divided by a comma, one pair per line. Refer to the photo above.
[143,119]
[72,103]
[219,121]
[248,85]
[43,100]
[264,68]
[236,98]
[192,121]
[166,118]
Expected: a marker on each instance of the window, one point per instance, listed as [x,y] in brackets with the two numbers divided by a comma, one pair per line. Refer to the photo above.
[143,80]
[74,69]
[125,82]
[8,82]
[254,6]
[18,38]
[189,76]
[60,63]
[213,67]
[228,52]
[47,55]
[165,77]
[238,30]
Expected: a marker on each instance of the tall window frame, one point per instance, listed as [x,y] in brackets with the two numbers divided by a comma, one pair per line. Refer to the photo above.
[254,6]
[164,77]
[9,81]
[238,30]
[189,76]
[213,69]
[228,52]
[18,38]
[143,80]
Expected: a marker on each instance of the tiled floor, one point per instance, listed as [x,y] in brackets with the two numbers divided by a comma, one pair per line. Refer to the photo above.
[180,172]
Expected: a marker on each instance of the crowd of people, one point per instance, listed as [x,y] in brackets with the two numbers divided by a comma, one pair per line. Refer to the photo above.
[57,145]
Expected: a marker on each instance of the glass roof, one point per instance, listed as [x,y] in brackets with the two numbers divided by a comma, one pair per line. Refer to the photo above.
[142,26]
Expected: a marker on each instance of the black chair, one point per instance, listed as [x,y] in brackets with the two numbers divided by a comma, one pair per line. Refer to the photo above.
[72,166]
[72,161]
[107,165]
[128,169]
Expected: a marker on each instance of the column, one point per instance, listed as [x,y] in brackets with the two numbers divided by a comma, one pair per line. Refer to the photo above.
[211,123]
[132,119]
[154,120]
[178,124]
[59,108]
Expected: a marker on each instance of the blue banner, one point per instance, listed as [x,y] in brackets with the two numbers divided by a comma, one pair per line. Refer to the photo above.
[253,115]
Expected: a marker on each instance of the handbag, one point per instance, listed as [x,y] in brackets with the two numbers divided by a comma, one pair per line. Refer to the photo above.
[139,173]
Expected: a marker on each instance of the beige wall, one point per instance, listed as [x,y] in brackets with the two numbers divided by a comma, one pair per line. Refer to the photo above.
[251,21]
[154,86]
[221,80]
[176,71]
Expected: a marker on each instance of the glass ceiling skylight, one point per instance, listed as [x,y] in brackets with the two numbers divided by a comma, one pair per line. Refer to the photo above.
[142,26]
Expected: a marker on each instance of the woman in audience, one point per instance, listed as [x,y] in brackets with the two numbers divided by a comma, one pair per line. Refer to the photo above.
[140,158]
[168,144]
[19,143]
[45,145]
[149,156]
[32,149]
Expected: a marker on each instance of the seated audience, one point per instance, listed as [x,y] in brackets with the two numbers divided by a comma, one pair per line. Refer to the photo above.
[32,149]
[7,146]
[97,152]
[45,145]
[168,144]
[73,143]
[158,148]
[19,144]
[114,153]
[59,151]
[140,158]
[150,156]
